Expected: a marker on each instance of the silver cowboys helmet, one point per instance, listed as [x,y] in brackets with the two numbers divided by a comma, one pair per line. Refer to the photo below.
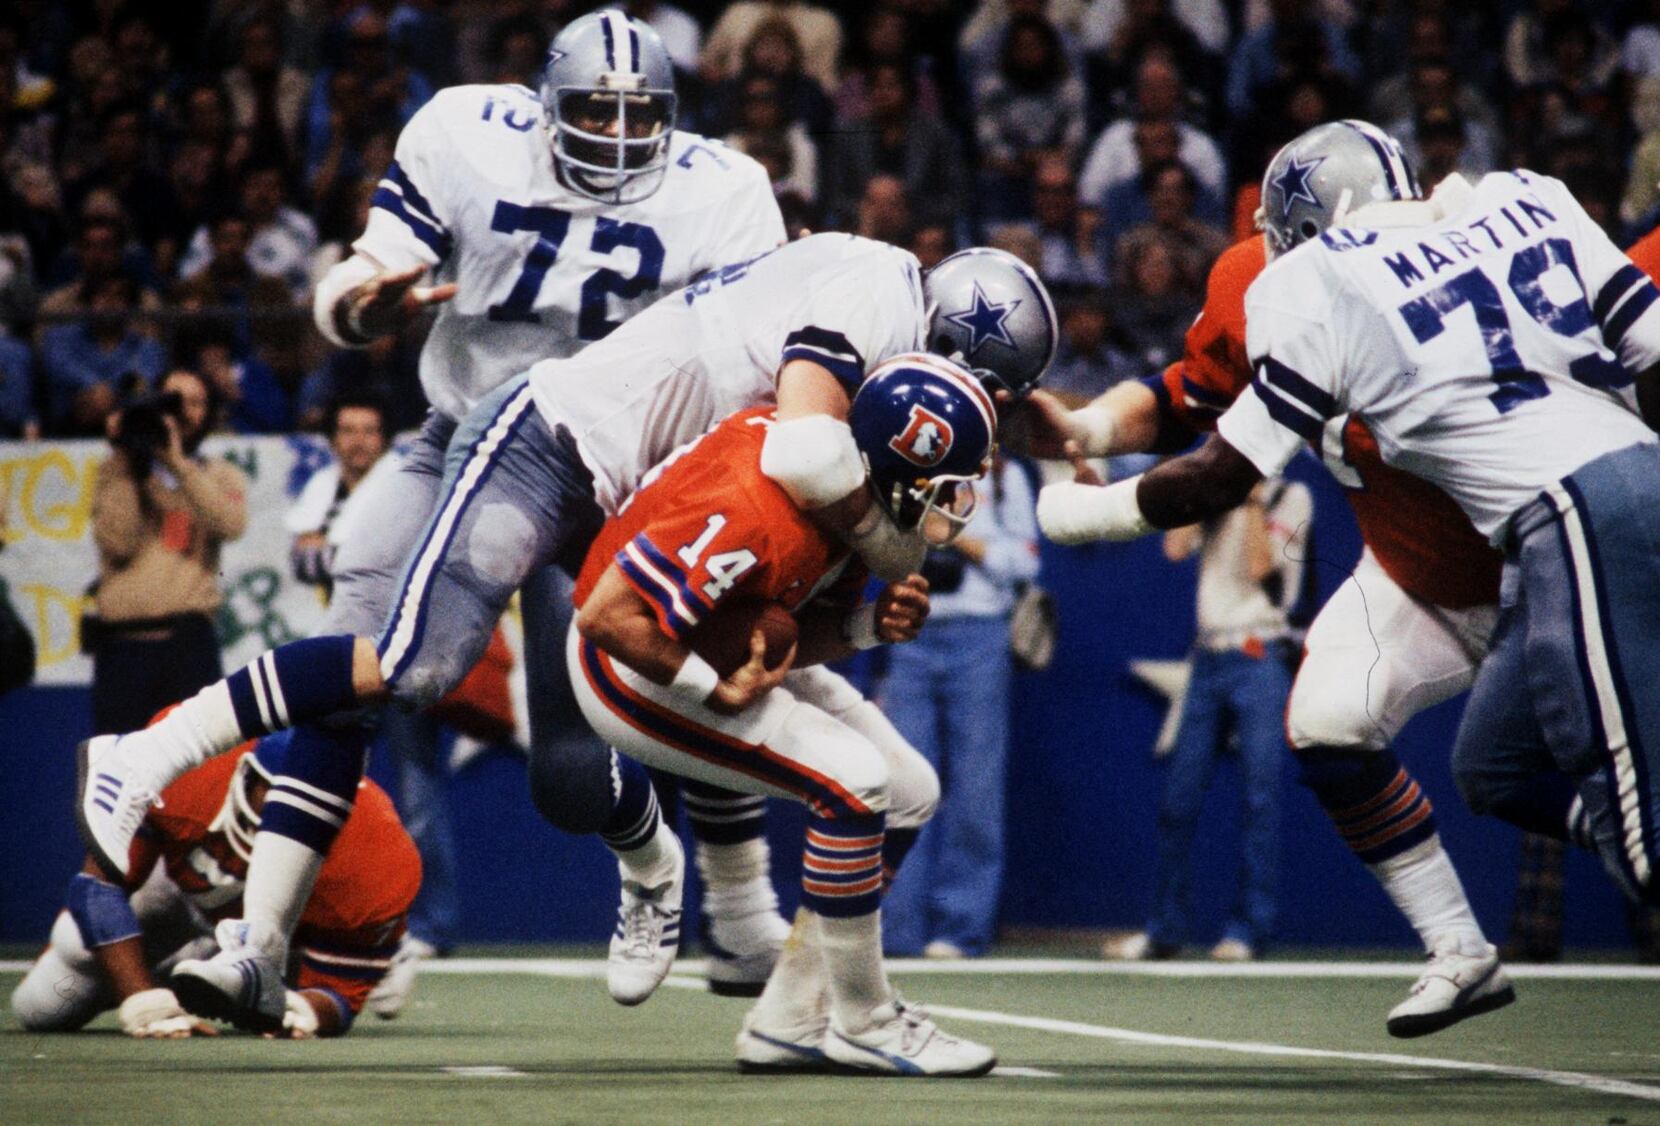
[609,103]
[988,311]
[1317,179]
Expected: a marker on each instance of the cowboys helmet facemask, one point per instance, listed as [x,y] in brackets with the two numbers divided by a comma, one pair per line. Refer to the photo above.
[604,68]
[1325,174]
[988,311]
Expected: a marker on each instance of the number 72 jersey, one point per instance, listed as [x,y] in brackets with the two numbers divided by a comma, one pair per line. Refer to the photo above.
[1491,352]
[540,270]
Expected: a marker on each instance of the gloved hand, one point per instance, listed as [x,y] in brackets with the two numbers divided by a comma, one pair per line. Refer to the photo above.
[155,1014]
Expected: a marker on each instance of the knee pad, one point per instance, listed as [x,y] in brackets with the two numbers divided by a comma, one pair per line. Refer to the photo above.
[1319,718]
[913,791]
[570,783]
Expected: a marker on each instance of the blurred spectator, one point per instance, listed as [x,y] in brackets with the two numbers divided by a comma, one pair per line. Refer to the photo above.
[369,90]
[948,694]
[885,211]
[775,52]
[242,302]
[1434,86]
[205,119]
[18,293]
[101,251]
[94,88]
[517,50]
[17,389]
[30,206]
[387,370]
[1169,189]
[982,38]
[1030,107]
[1441,139]
[84,361]
[1530,45]
[932,243]
[1429,77]
[760,120]
[357,434]
[1126,204]
[283,239]
[246,391]
[884,38]
[123,166]
[142,56]
[1115,157]
[160,512]
[1642,186]
[817,35]
[1294,40]
[1153,308]
[680,33]
[1071,253]
[1536,917]
[1118,28]
[896,140]
[267,95]
[1251,570]
[1017,239]
[1087,361]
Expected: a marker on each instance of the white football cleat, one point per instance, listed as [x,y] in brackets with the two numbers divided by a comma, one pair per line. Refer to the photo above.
[784,1049]
[901,1040]
[241,984]
[1460,981]
[393,991]
[647,936]
[741,952]
[113,794]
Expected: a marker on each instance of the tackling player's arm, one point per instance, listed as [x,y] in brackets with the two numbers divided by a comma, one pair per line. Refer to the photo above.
[831,631]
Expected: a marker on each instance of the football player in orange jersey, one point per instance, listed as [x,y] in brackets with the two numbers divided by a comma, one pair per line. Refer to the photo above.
[1409,628]
[709,530]
[111,945]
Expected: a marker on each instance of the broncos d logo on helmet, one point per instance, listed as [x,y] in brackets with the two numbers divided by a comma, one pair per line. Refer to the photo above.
[926,438]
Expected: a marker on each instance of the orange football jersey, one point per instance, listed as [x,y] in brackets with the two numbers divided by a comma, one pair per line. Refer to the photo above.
[1421,538]
[355,916]
[1646,253]
[708,527]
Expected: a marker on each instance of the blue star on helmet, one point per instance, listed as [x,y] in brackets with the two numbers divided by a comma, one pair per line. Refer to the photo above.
[985,320]
[1293,183]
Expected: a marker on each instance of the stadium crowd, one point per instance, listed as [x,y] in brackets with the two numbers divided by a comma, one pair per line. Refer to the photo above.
[177,176]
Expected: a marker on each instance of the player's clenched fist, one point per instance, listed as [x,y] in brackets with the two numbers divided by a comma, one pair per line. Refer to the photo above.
[155,1014]
[901,609]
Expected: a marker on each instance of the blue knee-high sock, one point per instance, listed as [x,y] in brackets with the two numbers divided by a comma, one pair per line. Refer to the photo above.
[722,817]
[896,845]
[301,682]
[841,872]
[635,814]
[315,772]
[1377,806]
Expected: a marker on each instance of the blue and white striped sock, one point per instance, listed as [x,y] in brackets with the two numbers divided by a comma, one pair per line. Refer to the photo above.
[315,774]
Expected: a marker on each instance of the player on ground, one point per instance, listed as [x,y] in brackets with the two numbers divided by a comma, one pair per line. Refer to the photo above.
[539,223]
[1497,345]
[113,943]
[532,473]
[711,532]
[1410,626]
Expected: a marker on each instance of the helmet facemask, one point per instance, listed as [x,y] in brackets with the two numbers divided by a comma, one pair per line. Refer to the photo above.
[626,167]
[238,818]
[939,508]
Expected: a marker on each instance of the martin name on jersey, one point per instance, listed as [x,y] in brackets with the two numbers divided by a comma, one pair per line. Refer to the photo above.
[1503,325]
[541,270]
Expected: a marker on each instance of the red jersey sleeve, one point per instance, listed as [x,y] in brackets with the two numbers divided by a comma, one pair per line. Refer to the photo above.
[1646,254]
[1214,367]
[691,558]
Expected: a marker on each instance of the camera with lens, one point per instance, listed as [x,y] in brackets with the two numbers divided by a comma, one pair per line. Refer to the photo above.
[142,431]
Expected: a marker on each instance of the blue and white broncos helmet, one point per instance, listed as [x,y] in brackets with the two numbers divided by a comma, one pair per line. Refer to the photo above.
[604,68]
[925,427]
[988,311]
[1321,176]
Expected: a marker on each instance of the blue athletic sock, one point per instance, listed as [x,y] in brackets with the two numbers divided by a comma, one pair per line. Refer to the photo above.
[896,845]
[635,814]
[722,817]
[1377,806]
[1543,804]
[841,873]
[315,772]
[300,682]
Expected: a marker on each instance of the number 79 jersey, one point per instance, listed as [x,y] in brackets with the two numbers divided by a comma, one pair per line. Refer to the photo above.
[1491,352]
[540,270]
[707,527]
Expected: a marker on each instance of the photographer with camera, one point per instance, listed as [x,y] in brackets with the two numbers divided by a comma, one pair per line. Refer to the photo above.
[160,512]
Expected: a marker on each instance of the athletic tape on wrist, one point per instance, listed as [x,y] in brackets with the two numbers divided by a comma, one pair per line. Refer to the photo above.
[859,628]
[695,681]
[1095,427]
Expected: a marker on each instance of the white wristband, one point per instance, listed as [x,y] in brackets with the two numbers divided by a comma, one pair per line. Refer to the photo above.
[1071,513]
[859,627]
[1094,427]
[695,681]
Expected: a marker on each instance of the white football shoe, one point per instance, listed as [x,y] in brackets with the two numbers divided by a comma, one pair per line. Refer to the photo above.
[393,991]
[647,937]
[783,1048]
[113,794]
[1461,981]
[241,984]
[901,1040]
[741,952]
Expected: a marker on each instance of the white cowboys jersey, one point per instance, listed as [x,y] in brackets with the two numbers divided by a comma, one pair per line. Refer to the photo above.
[1492,351]
[716,347]
[540,270]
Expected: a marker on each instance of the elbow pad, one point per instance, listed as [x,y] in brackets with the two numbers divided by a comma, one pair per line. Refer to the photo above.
[101,911]
[813,459]
[340,280]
